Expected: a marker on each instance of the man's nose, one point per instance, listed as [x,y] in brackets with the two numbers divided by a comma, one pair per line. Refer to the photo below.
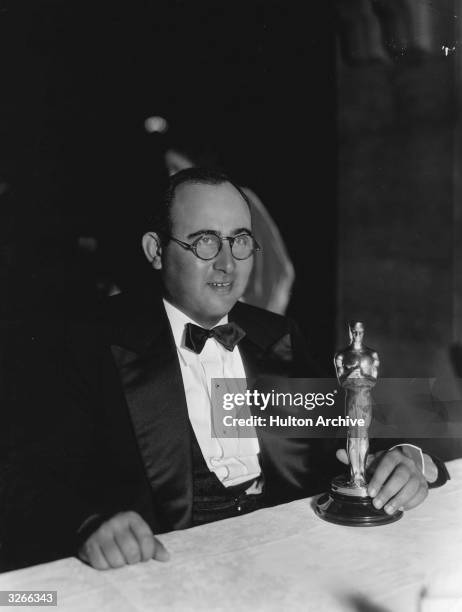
[225,260]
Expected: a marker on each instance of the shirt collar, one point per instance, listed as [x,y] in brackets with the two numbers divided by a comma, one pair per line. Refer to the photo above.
[178,321]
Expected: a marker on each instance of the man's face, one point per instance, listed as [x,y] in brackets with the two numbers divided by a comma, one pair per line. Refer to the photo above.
[206,290]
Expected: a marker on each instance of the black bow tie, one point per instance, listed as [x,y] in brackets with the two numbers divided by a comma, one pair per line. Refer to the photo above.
[228,335]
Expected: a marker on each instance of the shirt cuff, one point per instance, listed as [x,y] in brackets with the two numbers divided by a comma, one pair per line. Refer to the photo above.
[433,469]
[415,453]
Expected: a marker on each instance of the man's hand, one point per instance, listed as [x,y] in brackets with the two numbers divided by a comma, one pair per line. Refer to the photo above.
[397,482]
[124,539]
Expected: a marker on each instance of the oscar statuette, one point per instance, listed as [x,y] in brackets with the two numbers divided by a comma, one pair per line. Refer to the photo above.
[347,502]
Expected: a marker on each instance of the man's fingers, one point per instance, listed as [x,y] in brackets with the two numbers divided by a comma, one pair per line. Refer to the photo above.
[112,554]
[413,494]
[97,559]
[383,470]
[128,546]
[109,547]
[91,553]
[398,479]
[152,547]
[397,483]
[414,488]
[418,497]
[144,537]
[404,494]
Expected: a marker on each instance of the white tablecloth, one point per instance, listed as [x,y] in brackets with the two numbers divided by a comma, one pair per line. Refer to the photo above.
[282,558]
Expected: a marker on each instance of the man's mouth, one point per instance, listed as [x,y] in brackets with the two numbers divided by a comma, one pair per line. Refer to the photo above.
[223,288]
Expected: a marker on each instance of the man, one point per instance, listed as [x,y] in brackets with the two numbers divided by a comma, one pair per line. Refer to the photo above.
[128,453]
[272,276]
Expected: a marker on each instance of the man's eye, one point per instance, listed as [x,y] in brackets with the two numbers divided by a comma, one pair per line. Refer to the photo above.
[242,239]
[207,239]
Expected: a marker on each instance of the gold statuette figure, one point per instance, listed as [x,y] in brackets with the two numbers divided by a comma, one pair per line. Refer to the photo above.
[347,502]
[357,368]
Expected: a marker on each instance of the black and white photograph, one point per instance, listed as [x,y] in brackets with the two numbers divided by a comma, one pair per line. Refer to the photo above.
[231,305]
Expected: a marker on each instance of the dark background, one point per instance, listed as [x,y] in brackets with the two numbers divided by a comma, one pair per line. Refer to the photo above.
[254,79]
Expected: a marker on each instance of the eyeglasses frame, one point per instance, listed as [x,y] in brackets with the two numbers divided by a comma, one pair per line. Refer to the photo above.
[231,239]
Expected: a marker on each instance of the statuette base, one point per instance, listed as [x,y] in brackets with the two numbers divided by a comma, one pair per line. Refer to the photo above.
[342,485]
[351,509]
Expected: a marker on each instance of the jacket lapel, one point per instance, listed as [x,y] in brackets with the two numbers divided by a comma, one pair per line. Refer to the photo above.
[146,358]
[266,349]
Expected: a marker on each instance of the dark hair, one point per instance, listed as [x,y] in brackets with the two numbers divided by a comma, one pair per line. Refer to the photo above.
[162,222]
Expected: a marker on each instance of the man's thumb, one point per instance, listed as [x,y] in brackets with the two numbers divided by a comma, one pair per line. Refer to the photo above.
[160,552]
[342,456]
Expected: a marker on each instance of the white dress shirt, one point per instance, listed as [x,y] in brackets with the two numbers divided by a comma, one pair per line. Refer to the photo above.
[234,460]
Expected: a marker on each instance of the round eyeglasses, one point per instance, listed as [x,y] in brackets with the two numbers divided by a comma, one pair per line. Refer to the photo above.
[207,246]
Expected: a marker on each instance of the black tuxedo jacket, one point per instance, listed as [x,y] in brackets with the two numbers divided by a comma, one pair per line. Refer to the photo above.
[108,428]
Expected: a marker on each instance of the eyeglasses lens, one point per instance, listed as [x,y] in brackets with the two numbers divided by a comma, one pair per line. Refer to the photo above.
[208,246]
[242,246]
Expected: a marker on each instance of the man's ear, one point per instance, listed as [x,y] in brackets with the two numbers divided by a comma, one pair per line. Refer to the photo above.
[152,248]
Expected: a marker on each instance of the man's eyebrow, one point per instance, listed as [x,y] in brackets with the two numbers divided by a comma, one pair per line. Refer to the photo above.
[200,232]
[239,230]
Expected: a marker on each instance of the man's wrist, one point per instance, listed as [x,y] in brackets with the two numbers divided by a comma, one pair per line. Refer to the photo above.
[433,469]
[413,452]
[89,525]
